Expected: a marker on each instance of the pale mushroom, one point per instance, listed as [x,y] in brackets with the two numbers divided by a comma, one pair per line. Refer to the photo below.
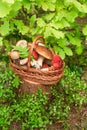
[43,53]
[48,69]
[36,44]
[34,63]
[23,61]
[22,43]
[14,55]
[39,42]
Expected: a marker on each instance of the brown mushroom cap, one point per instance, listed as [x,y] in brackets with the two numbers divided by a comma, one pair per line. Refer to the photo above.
[41,50]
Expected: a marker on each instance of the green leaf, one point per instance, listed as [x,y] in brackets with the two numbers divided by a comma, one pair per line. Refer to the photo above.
[32,20]
[4,29]
[62,53]
[68,51]
[84,30]
[7,45]
[47,31]
[24,52]
[70,16]
[58,34]
[64,23]
[4,9]
[40,22]
[74,40]
[16,6]
[1,41]
[59,51]
[16,81]
[61,14]
[60,24]
[8,1]
[80,7]
[79,50]
[44,6]
[48,5]
[21,27]
[51,6]
[34,30]
[56,48]
[49,16]
[26,4]
[62,42]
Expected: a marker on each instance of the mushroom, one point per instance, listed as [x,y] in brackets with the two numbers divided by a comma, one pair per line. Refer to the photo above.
[23,61]
[34,63]
[48,69]
[14,54]
[43,53]
[39,42]
[36,44]
[22,43]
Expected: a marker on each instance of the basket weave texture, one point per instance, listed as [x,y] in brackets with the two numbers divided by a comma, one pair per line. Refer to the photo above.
[35,76]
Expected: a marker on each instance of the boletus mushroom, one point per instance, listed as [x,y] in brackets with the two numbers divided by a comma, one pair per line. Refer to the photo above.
[43,53]
[23,61]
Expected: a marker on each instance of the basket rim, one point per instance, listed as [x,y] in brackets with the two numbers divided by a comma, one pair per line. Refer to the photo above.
[31,69]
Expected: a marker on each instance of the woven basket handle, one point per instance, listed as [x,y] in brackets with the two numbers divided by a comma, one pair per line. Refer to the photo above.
[32,47]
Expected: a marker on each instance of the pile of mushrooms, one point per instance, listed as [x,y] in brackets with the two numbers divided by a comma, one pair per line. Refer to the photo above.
[15,55]
[43,58]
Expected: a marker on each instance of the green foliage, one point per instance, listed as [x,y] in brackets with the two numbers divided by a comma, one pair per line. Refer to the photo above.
[30,110]
[54,20]
[8,83]
[71,91]
[5,117]
[74,87]
[23,51]
[36,110]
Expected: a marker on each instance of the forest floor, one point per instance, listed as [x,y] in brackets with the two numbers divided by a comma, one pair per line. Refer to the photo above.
[77,119]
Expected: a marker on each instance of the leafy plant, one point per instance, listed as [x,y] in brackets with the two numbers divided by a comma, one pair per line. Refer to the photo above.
[23,51]
[37,111]
[30,110]
[8,83]
[56,21]
[71,91]
[5,117]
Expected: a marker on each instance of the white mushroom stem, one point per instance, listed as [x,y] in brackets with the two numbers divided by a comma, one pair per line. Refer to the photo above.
[35,64]
[23,61]
[41,44]
[40,60]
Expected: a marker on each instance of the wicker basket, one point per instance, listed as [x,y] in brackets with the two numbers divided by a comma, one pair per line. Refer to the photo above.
[35,78]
